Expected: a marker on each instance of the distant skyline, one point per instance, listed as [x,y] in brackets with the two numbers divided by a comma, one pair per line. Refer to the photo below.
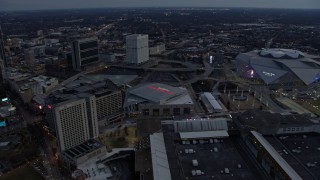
[11,5]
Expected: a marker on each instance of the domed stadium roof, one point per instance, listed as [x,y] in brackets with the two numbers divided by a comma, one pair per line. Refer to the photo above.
[274,65]
[282,53]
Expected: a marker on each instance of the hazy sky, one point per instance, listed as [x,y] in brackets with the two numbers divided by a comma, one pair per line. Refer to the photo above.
[64,4]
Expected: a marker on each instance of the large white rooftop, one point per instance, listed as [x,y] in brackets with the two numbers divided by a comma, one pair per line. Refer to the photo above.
[213,102]
[160,164]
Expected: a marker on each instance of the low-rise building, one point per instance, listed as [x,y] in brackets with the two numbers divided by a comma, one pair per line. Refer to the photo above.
[81,153]
[197,149]
[27,86]
[157,49]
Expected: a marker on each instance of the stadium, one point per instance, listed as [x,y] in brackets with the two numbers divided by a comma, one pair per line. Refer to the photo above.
[279,66]
[156,99]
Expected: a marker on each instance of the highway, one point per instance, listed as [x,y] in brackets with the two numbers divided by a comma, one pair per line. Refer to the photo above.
[105,28]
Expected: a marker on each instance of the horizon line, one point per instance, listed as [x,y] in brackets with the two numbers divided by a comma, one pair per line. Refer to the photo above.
[145,7]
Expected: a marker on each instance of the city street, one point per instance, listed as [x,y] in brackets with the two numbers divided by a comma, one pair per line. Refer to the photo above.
[263,94]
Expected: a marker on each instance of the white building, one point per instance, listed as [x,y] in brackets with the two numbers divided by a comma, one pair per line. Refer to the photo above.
[76,122]
[137,50]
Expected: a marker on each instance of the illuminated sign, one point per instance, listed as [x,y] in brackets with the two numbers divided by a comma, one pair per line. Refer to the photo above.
[268,74]
[3,124]
[251,73]
[50,106]
[4,99]
[159,89]
[211,59]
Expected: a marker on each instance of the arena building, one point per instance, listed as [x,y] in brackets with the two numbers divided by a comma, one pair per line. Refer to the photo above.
[279,66]
[155,99]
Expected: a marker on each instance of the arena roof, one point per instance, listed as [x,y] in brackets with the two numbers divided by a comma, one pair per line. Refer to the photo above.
[281,53]
[157,92]
[272,64]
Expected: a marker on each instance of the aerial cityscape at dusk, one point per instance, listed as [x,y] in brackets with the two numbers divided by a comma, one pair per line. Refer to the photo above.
[168,90]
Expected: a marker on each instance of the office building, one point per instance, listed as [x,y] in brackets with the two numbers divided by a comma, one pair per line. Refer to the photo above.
[76,122]
[3,64]
[106,99]
[2,71]
[84,52]
[2,51]
[108,103]
[137,50]
[27,86]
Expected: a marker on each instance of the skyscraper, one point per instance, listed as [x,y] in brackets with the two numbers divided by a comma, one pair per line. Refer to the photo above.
[3,64]
[2,71]
[76,122]
[137,50]
[2,52]
[84,51]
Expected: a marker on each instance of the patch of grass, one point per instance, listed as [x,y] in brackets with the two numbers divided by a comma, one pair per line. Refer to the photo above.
[119,142]
[25,172]
[120,138]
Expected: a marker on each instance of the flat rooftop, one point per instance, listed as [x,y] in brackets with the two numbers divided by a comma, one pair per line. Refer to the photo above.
[118,80]
[213,158]
[83,149]
[95,171]
[301,152]
[82,87]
